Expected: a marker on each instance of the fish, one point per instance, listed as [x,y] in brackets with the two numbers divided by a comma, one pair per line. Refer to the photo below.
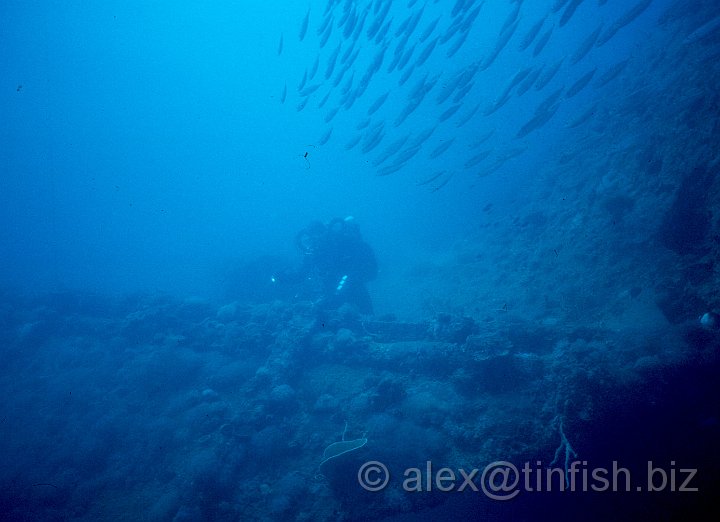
[449,112]
[379,20]
[499,103]
[363,124]
[377,103]
[350,99]
[458,81]
[390,169]
[383,31]
[429,85]
[422,137]
[406,57]
[528,82]
[339,78]
[332,61]
[612,73]
[550,100]
[537,121]
[451,31]
[348,83]
[512,17]
[352,58]
[323,27]
[467,74]
[519,76]
[301,86]
[457,8]
[414,22]
[364,83]
[349,13]
[394,62]
[579,85]
[431,178]
[428,30]
[353,141]
[505,96]
[457,45]
[443,183]
[373,29]
[460,94]
[542,41]
[406,75]
[482,139]
[569,12]
[360,24]
[490,170]
[477,158]
[586,46]
[470,18]
[331,114]
[531,34]
[390,150]
[326,35]
[373,138]
[347,54]
[379,59]
[407,111]
[283,95]
[348,21]
[510,154]
[422,87]
[585,116]
[444,94]
[324,100]
[309,89]
[462,121]
[426,53]
[281,44]
[548,75]
[314,68]
[437,151]
[304,25]
[325,137]
[703,31]
[500,44]
[624,20]
[559,4]
[407,154]
[403,26]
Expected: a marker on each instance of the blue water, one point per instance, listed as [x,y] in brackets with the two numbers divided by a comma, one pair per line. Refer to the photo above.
[536,181]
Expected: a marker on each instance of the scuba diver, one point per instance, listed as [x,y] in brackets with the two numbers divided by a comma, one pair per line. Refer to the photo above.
[336,264]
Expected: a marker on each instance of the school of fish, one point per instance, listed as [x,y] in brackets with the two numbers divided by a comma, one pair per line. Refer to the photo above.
[376,63]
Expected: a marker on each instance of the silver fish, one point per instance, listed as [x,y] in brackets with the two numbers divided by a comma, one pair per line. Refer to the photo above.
[569,11]
[624,20]
[325,137]
[586,46]
[531,34]
[579,85]
[437,151]
[377,103]
[304,25]
[542,41]
[537,121]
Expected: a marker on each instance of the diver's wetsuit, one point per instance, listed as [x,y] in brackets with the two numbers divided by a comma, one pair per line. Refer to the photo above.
[336,264]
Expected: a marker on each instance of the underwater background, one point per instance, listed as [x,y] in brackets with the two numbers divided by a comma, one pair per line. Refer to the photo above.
[538,181]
